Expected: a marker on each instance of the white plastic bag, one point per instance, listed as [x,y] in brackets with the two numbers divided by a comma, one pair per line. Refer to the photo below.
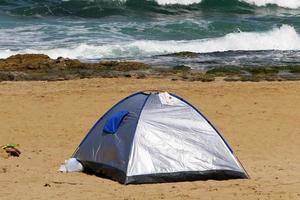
[71,165]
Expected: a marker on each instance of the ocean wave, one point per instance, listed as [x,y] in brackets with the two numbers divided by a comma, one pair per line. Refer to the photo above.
[281,38]
[293,4]
[102,8]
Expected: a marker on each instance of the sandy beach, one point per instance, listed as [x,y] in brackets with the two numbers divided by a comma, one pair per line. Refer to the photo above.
[260,120]
[63,64]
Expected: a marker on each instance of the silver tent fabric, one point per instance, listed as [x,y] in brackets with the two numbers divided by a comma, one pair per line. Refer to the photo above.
[163,138]
[173,137]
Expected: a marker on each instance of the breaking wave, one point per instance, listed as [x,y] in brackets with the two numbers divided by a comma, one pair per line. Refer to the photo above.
[282,38]
[293,4]
[102,8]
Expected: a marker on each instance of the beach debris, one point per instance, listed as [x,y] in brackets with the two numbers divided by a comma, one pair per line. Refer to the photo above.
[47,185]
[3,170]
[9,150]
[71,165]
[63,182]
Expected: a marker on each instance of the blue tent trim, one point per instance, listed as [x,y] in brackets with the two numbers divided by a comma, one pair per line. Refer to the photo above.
[112,123]
[95,125]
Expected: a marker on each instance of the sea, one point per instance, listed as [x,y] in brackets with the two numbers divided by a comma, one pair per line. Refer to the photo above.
[219,32]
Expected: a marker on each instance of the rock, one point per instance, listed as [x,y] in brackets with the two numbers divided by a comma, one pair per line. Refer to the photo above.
[123,66]
[24,61]
[28,57]
[185,54]
[140,76]
[181,68]
[13,76]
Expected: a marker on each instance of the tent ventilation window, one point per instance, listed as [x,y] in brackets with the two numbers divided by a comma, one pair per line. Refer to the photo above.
[112,123]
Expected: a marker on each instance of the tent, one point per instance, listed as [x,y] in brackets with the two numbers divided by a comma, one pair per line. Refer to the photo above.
[152,137]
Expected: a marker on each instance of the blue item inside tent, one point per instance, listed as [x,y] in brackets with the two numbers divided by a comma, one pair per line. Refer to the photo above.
[112,124]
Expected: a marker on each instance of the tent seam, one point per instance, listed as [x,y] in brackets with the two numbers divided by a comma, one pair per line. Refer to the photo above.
[138,119]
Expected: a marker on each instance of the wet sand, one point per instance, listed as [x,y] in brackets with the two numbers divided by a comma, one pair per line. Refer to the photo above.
[260,120]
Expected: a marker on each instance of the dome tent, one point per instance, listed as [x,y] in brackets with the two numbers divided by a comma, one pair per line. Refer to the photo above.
[157,137]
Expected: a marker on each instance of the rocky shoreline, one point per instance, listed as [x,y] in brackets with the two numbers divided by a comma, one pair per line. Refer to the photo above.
[27,67]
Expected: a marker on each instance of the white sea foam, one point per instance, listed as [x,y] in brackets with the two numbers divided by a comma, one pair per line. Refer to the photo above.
[282,3]
[180,2]
[283,38]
